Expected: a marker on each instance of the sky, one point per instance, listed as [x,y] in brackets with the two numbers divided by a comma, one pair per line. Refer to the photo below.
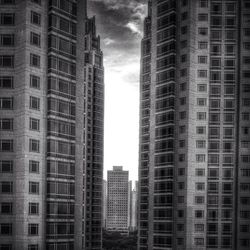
[119,24]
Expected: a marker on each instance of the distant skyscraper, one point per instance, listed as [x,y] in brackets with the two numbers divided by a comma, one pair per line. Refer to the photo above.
[118,200]
[51,104]
[194,177]
[133,209]
[104,203]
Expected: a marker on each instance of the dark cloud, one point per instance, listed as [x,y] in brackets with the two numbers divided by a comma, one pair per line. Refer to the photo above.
[119,23]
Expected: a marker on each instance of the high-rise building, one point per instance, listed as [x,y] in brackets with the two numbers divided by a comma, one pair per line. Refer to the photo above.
[51,172]
[93,132]
[104,203]
[194,179]
[133,209]
[118,200]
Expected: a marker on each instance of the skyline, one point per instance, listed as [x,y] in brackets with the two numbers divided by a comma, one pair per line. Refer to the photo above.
[119,24]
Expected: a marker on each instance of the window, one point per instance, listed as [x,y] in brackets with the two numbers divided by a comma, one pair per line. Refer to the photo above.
[216,21]
[215,62]
[202,45]
[6,208]
[214,103]
[34,103]
[35,18]
[35,60]
[182,115]
[6,124]
[230,21]
[182,100]
[201,87]
[201,116]
[6,145]
[183,86]
[212,200]
[6,166]
[6,103]
[216,35]
[215,76]
[214,117]
[6,82]
[215,49]
[184,16]
[7,40]
[33,166]
[202,59]
[215,90]
[33,187]
[216,7]
[230,49]
[201,130]
[213,159]
[184,30]
[7,18]
[203,3]
[183,44]
[6,61]
[201,101]
[230,35]
[199,200]
[183,72]
[202,17]
[6,229]
[202,73]
[199,241]
[199,227]
[247,32]
[36,1]
[200,144]
[230,7]
[183,58]
[33,229]
[34,145]
[200,186]
[6,187]
[34,124]
[200,157]
[7,2]
[33,246]
[199,214]
[202,31]
[200,172]
[34,81]
[33,208]
[184,2]
[182,129]
[35,39]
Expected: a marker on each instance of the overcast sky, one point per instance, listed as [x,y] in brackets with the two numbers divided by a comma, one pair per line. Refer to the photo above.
[119,23]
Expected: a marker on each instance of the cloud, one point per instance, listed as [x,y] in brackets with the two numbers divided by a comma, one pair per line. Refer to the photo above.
[120,25]
[134,28]
[107,41]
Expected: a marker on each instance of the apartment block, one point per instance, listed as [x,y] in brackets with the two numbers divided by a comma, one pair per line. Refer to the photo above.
[50,188]
[194,126]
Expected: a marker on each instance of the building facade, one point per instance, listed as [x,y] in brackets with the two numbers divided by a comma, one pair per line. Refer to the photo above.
[47,167]
[194,126]
[93,134]
[133,209]
[104,203]
[118,200]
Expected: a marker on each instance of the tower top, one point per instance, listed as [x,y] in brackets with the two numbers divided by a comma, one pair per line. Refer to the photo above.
[117,168]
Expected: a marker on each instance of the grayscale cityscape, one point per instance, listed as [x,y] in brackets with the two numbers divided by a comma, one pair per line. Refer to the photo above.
[124,124]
